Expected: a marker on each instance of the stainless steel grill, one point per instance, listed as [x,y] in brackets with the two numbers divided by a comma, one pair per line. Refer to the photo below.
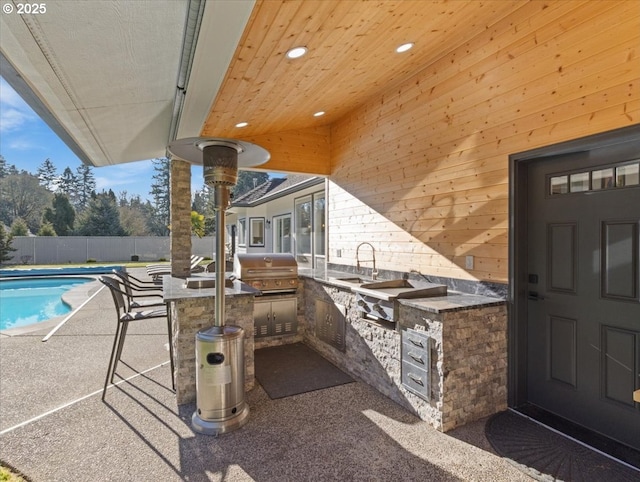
[267,272]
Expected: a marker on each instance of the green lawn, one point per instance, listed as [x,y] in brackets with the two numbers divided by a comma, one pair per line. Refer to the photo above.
[7,476]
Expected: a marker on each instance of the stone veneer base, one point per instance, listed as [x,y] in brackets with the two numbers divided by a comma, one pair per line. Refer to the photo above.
[469,356]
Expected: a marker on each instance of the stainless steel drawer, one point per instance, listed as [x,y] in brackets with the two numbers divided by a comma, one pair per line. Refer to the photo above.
[415,339]
[416,356]
[416,380]
[416,362]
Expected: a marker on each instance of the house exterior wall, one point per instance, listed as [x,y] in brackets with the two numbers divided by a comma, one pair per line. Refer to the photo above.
[276,207]
[421,171]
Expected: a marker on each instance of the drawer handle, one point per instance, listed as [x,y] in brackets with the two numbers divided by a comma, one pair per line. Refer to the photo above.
[417,358]
[416,342]
[415,380]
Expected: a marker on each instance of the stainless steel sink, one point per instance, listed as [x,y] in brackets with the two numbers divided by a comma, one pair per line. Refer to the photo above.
[200,283]
[400,288]
[392,283]
[351,279]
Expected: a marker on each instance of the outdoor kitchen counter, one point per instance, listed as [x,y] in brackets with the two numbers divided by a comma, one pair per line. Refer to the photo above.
[445,358]
[192,310]
[453,301]
[174,289]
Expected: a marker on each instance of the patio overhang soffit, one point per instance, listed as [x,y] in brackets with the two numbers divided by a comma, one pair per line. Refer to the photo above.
[118,79]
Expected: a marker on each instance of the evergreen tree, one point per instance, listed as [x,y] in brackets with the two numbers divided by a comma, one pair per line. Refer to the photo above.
[47,175]
[85,185]
[5,168]
[5,245]
[101,218]
[19,228]
[160,190]
[68,184]
[46,229]
[247,180]
[61,215]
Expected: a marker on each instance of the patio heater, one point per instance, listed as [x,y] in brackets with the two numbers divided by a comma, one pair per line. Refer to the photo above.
[220,405]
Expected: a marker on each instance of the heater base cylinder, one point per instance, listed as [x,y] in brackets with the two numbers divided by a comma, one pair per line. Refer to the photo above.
[217,427]
[220,380]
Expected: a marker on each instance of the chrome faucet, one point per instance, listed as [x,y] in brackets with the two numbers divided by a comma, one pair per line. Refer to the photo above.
[374,271]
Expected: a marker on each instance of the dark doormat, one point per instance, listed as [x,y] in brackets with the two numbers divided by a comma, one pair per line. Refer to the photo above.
[293,369]
[546,455]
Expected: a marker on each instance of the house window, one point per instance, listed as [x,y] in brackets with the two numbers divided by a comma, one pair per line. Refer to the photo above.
[282,234]
[309,230]
[303,227]
[242,229]
[256,231]
[318,227]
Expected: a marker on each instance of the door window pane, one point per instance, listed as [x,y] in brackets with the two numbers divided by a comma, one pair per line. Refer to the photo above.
[242,229]
[282,234]
[602,179]
[580,182]
[559,185]
[318,224]
[628,175]
[303,228]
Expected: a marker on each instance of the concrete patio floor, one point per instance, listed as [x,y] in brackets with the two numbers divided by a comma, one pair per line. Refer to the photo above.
[55,427]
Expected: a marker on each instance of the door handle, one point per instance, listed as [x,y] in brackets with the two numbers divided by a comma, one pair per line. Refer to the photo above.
[535,296]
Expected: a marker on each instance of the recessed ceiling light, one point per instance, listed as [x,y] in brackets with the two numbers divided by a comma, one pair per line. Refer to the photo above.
[242,124]
[404,47]
[318,114]
[296,52]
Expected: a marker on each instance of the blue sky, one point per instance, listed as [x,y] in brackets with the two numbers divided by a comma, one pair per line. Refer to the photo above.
[26,141]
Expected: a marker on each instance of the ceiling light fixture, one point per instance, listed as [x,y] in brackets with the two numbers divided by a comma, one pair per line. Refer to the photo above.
[242,124]
[404,47]
[318,114]
[296,52]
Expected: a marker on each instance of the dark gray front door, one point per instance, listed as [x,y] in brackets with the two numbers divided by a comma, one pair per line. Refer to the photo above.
[583,348]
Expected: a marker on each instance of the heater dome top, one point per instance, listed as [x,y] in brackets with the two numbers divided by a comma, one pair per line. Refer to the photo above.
[190,149]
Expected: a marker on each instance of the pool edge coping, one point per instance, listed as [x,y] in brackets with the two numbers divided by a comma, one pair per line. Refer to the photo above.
[75,297]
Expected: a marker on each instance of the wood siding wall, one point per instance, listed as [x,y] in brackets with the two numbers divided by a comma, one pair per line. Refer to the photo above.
[421,172]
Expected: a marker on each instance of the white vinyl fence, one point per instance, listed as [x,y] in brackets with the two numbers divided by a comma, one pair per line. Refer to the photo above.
[101,249]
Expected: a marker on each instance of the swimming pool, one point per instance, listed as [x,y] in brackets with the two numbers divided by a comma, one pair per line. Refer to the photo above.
[31,300]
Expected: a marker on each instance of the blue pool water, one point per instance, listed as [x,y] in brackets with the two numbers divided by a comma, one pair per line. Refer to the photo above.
[31,300]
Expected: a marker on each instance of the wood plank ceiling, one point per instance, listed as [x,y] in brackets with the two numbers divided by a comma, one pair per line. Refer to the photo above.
[351,57]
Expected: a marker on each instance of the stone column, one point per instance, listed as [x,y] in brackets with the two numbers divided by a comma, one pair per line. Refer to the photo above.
[180,192]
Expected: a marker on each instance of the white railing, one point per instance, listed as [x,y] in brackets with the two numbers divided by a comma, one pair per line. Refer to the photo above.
[101,249]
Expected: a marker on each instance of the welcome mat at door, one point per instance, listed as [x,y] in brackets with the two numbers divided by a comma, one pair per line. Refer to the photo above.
[289,370]
[546,455]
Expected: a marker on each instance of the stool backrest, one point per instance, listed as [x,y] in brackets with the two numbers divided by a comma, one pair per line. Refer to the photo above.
[116,293]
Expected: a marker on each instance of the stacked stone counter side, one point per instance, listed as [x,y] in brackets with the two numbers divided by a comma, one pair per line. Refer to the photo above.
[468,366]
[192,310]
[468,356]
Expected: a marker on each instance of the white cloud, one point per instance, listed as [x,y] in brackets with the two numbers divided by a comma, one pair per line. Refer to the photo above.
[14,112]
[23,144]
